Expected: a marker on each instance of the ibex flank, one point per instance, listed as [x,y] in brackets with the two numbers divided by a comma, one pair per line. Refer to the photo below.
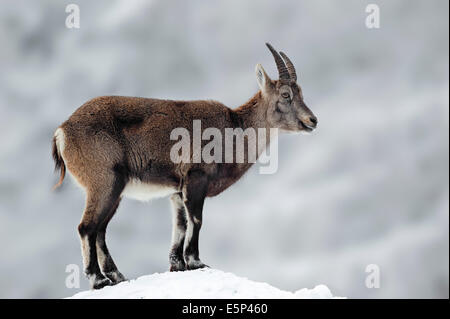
[118,147]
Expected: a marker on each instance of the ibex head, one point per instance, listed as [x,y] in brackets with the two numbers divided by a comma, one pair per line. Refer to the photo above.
[286,109]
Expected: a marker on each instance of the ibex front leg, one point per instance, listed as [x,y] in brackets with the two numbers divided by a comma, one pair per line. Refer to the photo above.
[179,225]
[194,194]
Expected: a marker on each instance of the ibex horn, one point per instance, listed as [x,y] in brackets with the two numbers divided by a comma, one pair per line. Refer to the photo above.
[282,70]
[290,67]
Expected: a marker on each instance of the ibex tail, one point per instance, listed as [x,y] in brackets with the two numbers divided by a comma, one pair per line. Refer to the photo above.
[57,148]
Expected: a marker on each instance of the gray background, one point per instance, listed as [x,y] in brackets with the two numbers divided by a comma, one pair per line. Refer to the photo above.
[370,186]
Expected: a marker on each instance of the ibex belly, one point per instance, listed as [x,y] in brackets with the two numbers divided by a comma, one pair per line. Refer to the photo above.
[142,191]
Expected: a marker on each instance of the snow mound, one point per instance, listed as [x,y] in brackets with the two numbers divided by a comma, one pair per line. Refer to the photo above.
[202,283]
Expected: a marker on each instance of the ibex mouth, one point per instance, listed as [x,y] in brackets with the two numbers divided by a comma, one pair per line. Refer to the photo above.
[305,127]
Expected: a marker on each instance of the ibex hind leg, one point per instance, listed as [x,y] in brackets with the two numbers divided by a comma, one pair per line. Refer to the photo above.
[100,202]
[179,225]
[105,261]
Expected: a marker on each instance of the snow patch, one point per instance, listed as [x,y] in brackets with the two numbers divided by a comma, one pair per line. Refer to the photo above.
[201,283]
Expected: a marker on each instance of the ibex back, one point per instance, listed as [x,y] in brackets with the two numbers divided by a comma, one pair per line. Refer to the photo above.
[120,146]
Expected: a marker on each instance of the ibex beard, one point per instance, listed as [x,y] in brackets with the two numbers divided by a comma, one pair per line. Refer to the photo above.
[118,147]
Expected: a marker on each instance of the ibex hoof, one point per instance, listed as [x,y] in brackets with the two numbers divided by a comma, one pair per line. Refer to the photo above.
[196,264]
[177,265]
[101,282]
[115,277]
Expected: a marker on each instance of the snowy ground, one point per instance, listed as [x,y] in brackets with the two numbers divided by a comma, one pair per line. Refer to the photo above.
[205,283]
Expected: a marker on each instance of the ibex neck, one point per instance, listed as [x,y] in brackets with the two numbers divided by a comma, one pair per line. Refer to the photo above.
[253,112]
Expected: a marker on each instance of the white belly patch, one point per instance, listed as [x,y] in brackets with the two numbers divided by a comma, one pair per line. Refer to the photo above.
[138,190]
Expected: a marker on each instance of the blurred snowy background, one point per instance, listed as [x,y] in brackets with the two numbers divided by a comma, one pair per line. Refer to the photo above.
[370,186]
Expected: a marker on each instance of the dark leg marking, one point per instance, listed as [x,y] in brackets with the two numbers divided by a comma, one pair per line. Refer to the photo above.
[179,224]
[99,204]
[194,194]
[105,261]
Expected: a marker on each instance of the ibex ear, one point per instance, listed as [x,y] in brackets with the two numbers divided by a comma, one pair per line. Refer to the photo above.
[262,78]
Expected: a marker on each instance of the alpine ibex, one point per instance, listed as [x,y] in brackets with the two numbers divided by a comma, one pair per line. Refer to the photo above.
[117,146]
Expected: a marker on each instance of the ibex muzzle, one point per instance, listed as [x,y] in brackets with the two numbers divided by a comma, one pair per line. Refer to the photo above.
[118,147]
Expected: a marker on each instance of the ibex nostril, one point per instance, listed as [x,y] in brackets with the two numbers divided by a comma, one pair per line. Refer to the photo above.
[313,120]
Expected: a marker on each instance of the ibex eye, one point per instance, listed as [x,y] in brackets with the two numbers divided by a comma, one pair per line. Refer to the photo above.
[285,95]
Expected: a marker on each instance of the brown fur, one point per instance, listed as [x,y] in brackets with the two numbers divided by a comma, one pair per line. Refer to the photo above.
[133,135]
[111,140]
